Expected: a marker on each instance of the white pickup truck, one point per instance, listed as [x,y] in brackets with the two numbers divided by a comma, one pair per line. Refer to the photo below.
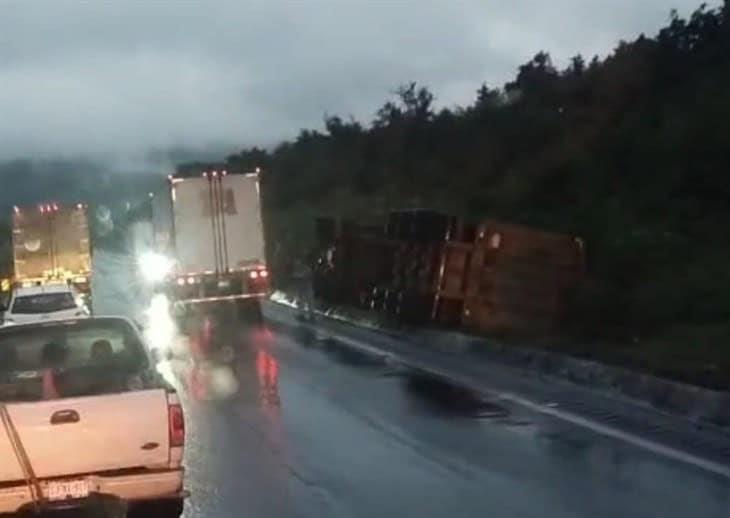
[85,418]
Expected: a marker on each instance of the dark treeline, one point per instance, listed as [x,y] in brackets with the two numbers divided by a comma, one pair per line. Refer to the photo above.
[631,152]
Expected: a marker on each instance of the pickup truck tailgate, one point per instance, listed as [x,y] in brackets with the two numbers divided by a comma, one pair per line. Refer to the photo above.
[88,434]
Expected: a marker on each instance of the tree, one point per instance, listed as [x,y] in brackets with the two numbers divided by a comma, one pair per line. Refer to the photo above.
[536,75]
[388,115]
[413,104]
[577,66]
[337,128]
[628,151]
[486,98]
[416,102]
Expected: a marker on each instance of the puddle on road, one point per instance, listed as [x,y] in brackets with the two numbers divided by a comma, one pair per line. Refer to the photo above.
[448,398]
[350,356]
[438,394]
[306,337]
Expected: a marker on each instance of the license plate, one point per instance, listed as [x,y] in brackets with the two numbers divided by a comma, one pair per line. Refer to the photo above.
[65,489]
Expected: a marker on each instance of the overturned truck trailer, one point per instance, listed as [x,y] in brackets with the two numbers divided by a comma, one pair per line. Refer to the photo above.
[424,267]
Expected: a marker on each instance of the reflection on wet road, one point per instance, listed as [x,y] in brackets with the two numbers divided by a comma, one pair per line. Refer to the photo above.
[293,426]
[317,430]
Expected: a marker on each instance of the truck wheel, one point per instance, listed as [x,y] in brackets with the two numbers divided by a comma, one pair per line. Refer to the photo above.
[164,508]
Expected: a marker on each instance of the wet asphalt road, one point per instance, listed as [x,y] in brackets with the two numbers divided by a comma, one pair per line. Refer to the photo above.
[311,429]
[317,430]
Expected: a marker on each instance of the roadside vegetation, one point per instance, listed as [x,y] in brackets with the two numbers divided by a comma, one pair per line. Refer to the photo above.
[630,152]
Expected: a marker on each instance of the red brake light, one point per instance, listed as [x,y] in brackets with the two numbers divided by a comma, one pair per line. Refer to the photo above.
[177,425]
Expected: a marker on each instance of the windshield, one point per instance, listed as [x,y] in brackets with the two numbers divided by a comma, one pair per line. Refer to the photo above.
[43,303]
[395,257]
[86,357]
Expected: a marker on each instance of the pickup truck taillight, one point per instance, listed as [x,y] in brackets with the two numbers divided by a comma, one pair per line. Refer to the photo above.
[177,425]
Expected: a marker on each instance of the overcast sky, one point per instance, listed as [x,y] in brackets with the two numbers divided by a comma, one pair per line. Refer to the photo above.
[82,77]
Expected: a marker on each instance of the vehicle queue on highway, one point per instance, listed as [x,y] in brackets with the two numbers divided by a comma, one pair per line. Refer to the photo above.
[92,381]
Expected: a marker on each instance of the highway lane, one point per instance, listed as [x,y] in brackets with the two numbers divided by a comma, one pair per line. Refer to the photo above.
[317,430]
[301,427]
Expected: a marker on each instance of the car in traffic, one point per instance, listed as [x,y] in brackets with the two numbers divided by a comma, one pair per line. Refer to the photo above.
[43,302]
[87,417]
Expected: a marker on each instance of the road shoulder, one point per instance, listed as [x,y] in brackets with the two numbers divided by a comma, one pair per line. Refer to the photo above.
[684,440]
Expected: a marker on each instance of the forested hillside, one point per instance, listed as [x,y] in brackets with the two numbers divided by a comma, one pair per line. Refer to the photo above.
[631,152]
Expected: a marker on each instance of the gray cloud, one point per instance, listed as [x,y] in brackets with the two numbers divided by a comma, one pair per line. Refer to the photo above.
[110,77]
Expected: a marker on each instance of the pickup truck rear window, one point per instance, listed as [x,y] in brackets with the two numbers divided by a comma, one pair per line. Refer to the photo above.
[77,358]
[43,303]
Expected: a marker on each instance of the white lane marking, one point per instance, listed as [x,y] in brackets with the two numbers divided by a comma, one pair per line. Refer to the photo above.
[550,410]
[364,347]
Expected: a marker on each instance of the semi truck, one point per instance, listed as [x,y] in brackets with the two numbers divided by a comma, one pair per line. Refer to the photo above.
[51,243]
[208,242]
